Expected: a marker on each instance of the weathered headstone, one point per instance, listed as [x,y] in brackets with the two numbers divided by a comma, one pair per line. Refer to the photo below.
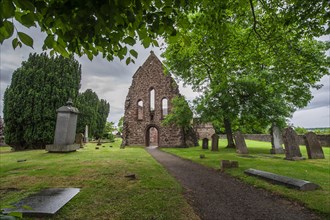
[65,130]
[313,146]
[283,180]
[240,143]
[205,144]
[44,203]
[86,134]
[215,142]
[291,144]
[99,142]
[276,141]
[80,140]
[224,164]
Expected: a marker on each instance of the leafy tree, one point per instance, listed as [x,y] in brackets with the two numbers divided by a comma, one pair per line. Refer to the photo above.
[255,62]
[300,130]
[93,112]
[108,131]
[91,27]
[102,115]
[40,86]
[120,125]
[181,116]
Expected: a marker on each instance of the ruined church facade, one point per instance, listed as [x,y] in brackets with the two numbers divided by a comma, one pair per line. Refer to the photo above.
[147,103]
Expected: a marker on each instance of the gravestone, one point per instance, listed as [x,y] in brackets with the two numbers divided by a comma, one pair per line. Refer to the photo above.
[205,144]
[276,141]
[313,146]
[80,140]
[302,185]
[224,164]
[86,134]
[291,144]
[99,142]
[44,203]
[240,143]
[215,142]
[65,131]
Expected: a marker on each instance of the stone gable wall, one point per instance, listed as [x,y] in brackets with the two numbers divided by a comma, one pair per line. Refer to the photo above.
[150,76]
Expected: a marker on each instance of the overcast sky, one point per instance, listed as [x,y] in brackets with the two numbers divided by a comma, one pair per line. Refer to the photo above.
[111,80]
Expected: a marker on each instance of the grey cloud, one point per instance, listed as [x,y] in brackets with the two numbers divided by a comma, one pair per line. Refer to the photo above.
[322,96]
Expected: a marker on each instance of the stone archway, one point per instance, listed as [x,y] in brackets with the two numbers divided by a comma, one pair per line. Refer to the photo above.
[152,136]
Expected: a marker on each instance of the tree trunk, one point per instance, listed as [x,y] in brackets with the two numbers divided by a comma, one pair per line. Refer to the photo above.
[229,134]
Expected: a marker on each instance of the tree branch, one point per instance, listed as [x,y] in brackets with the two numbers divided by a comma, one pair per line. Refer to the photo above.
[254,19]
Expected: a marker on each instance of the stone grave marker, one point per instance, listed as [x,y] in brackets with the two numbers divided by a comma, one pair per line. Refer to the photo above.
[99,142]
[44,203]
[215,142]
[80,140]
[302,185]
[86,134]
[313,146]
[65,130]
[276,141]
[291,144]
[205,144]
[241,147]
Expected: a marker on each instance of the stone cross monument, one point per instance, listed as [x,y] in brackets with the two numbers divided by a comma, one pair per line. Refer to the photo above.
[65,132]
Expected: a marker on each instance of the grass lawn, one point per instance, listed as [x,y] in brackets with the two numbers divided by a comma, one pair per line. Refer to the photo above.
[105,192]
[316,171]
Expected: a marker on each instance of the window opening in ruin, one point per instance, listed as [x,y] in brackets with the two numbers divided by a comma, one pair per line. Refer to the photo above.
[140,110]
[164,107]
[152,100]
[152,135]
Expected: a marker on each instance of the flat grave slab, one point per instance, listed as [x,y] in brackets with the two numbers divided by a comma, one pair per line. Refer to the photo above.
[46,202]
[302,185]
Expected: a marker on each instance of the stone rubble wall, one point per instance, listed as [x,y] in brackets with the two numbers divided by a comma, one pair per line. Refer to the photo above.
[136,127]
[324,139]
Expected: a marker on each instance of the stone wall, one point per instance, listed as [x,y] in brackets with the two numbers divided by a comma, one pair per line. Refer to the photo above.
[324,139]
[140,118]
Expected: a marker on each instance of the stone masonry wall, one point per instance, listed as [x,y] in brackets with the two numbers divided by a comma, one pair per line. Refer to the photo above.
[324,139]
[136,131]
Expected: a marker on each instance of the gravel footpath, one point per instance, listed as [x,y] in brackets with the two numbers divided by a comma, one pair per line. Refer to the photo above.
[214,195]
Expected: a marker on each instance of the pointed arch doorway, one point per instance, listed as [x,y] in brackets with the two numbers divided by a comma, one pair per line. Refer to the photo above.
[152,136]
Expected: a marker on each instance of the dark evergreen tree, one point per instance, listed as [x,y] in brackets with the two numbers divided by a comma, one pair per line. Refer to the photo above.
[102,115]
[40,86]
[93,112]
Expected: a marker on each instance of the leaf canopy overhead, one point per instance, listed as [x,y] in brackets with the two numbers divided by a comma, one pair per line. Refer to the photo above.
[91,27]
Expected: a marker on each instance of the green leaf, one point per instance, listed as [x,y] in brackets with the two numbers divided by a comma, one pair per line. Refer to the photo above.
[133,53]
[6,31]
[15,43]
[128,60]
[7,9]
[26,39]
[59,48]
[49,41]
[129,40]
[28,20]
[155,43]
[25,4]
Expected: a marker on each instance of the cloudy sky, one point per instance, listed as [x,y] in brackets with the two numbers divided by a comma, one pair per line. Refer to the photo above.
[111,80]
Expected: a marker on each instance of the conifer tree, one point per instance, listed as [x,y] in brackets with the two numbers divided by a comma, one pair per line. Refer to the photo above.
[40,86]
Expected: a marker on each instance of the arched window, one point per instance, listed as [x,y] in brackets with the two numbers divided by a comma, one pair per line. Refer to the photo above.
[140,110]
[152,100]
[164,107]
